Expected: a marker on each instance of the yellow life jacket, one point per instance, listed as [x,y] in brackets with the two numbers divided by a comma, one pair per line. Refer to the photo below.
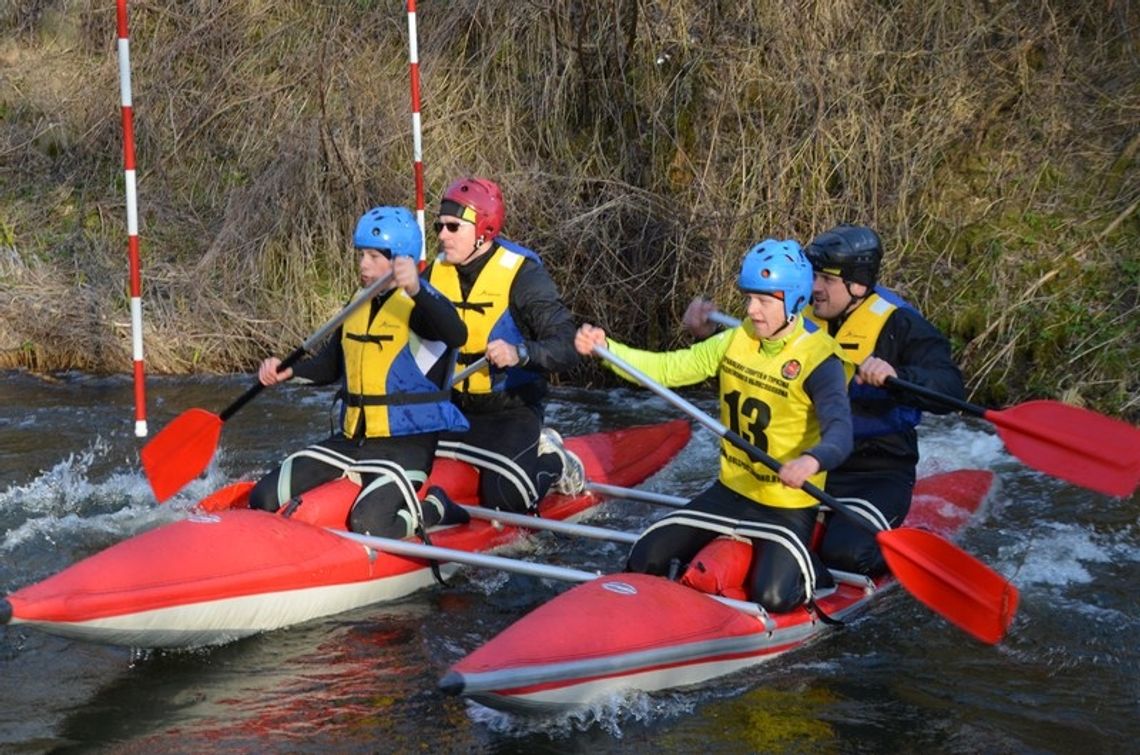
[762,398]
[485,311]
[386,392]
[859,333]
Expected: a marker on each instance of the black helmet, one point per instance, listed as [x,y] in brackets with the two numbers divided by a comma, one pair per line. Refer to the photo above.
[853,252]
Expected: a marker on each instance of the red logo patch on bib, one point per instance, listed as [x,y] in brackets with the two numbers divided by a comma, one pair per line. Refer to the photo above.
[791,369]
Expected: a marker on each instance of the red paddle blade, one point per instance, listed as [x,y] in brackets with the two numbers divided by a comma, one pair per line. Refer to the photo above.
[1074,444]
[951,582]
[181,451]
[233,496]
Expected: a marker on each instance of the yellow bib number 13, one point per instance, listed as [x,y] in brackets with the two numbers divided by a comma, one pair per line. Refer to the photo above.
[750,419]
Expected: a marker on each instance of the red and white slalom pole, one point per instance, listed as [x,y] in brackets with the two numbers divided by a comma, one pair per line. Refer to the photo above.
[132,221]
[417,137]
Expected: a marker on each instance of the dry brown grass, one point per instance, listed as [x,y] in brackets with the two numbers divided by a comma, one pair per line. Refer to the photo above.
[643,146]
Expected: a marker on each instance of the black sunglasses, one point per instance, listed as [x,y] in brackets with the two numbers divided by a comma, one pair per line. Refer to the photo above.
[452,227]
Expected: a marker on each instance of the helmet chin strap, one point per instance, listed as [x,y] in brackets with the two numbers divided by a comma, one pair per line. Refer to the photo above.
[471,254]
[855,300]
[788,321]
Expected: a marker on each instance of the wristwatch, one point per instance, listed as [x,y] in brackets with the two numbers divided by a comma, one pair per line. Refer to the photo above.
[524,355]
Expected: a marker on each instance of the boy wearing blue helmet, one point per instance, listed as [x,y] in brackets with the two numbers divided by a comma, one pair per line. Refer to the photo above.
[886,337]
[393,357]
[784,390]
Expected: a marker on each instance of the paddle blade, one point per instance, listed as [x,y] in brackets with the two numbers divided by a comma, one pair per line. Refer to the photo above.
[234,496]
[181,451]
[951,582]
[1074,444]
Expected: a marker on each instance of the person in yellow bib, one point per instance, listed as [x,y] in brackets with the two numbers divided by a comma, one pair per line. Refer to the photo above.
[784,390]
[886,337]
[393,358]
[516,319]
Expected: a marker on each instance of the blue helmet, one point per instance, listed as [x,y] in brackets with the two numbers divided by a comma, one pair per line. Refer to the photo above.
[778,267]
[389,228]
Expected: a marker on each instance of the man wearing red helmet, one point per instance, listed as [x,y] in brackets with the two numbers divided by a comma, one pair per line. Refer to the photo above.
[515,317]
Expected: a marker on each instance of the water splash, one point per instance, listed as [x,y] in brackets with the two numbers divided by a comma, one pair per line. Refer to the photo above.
[612,714]
[946,444]
[66,513]
[1062,554]
[66,489]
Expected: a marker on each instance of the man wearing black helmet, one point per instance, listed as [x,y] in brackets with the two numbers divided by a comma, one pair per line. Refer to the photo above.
[885,337]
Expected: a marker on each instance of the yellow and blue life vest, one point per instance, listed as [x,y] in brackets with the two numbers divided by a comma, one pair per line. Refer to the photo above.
[874,412]
[486,312]
[387,392]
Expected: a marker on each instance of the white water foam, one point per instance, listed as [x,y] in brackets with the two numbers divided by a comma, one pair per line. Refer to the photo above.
[65,488]
[570,419]
[947,444]
[1060,554]
[609,713]
[489,581]
[64,503]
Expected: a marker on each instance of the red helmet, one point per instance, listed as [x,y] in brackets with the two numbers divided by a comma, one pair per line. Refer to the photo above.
[479,201]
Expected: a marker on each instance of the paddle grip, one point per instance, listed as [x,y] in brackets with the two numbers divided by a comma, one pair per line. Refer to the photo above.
[941,398]
[769,461]
[257,387]
[312,342]
[472,368]
[720,318]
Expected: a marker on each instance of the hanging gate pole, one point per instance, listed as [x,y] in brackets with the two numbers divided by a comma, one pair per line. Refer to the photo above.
[417,137]
[132,221]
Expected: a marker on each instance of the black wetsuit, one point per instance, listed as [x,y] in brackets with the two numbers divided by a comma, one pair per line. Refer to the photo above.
[881,469]
[383,509]
[505,425]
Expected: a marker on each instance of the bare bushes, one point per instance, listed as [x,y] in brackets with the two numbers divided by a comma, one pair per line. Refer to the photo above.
[642,146]
[264,129]
[48,322]
[978,139]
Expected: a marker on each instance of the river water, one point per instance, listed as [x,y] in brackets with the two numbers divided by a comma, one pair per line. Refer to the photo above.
[898,679]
